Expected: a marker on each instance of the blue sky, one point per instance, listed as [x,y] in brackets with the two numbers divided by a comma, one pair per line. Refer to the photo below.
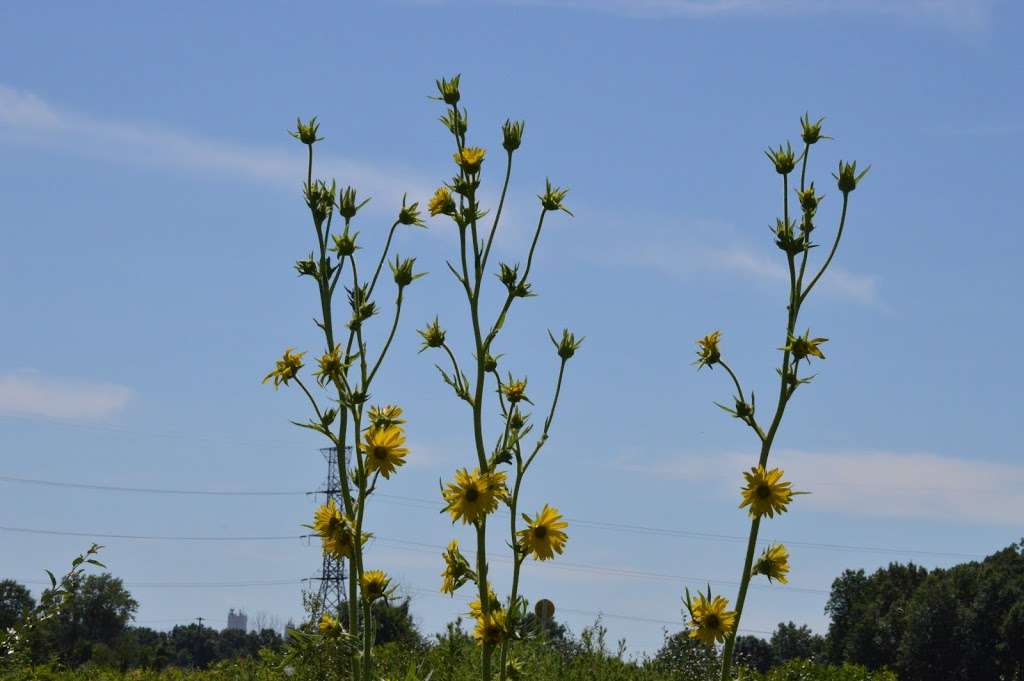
[151,213]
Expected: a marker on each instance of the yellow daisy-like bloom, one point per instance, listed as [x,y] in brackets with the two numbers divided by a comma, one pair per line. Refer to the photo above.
[710,619]
[286,368]
[332,366]
[476,612]
[773,563]
[473,495]
[470,158]
[491,630]
[329,626]
[335,530]
[375,585]
[441,203]
[456,568]
[707,350]
[544,537]
[383,449]
[765,492]
[387,415]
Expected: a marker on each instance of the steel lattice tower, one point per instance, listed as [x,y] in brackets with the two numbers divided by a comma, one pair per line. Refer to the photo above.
[332,572]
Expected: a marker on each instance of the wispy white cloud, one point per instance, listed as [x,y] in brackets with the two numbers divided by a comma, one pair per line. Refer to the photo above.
[960,15]
[30,394]
[28,119]
[709,248]
[877,483]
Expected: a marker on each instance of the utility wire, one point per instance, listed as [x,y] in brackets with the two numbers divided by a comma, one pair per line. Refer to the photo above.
[425,503]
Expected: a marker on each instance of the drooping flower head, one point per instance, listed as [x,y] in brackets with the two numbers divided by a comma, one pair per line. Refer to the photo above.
[773,564]
[456,569]
[331,367]
[710,620]
[471,496]
[544,536]
[286,368]
[335,530]
[441,203]
[765,492]
[476,611]
[707,350]
[383,449]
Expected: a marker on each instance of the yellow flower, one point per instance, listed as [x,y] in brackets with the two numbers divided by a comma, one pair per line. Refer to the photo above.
[286,368]
[335,530]
[473,495]
[388,415]
[710,619]
[376,585]
[515,391]
[329,625]
[383,449]
[765,493]
[456,568]
[441,203]
[474,606]
[804,346]
[544,536]
[707,350]
[773,563]
[470,158]
[491,630]
[332,367]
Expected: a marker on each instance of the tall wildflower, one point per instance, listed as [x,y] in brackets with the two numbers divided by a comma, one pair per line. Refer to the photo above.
[502,457]
[765,492]
[369,441]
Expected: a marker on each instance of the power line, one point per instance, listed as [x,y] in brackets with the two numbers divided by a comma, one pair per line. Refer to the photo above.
[422,547]
[147,537]
[578,522]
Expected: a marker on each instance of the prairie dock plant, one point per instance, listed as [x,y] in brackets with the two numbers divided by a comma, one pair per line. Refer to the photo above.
[476,491]
[369,441]
[765,492]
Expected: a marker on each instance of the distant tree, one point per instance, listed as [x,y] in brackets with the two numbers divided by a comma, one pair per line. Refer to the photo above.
[394,623]
[97,613]
[194,646]
[15,601]
[792,642]
[754,653]
[869,614]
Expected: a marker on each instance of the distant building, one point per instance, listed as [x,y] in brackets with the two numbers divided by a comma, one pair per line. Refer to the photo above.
[238,620]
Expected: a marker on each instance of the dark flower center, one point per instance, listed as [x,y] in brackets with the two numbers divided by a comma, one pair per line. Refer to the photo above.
[763,491]
[540,532]
[380,453]
[711,621]
[472,494]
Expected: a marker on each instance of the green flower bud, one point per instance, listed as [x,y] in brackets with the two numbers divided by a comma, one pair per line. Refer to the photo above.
[449,90]
[490,363]
[433,335]
[786,239]
[512,132]
[552,198]
[347,205]
[320,199]
[457,123]
[402,271]
[508,275]
[516,420]
[567,345]
[783,158]
[306,267]
[410,215]
[811,132]
[306,132]
[847,178]
[808,199]
[345,243]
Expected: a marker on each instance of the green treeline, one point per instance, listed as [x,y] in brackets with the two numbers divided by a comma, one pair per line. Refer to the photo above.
[964,623]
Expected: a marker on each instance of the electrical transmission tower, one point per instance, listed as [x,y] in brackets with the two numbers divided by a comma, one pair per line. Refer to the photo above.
[332,572]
